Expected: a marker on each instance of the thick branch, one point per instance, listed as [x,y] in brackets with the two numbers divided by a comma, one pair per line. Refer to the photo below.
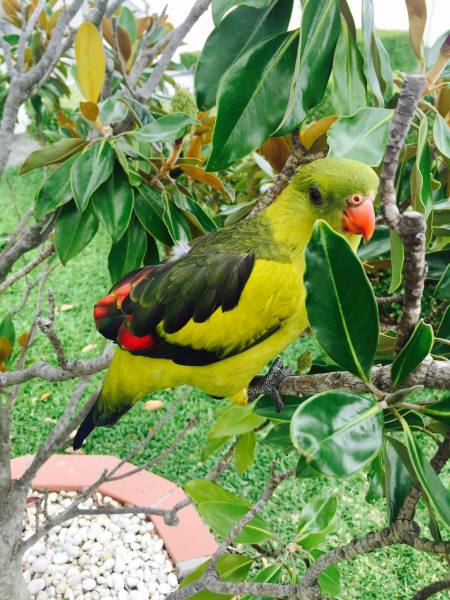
[178,34]
[406,107]
[431,374]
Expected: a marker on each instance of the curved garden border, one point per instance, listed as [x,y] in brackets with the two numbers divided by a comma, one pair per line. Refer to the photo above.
[188,544]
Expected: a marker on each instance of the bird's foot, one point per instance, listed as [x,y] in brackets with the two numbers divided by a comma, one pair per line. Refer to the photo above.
[270,384]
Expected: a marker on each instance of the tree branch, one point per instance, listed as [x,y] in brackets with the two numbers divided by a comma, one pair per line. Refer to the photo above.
[44,254]
[433,588]
[297,157]
[178,34]
[410,226]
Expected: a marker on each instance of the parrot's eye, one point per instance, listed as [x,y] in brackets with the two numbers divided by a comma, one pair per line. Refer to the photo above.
[315,196]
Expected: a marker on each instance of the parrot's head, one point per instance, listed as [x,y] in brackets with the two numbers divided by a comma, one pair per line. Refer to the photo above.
[340,191]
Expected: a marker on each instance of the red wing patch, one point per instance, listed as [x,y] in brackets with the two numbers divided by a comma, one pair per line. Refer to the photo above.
[108,313]
[133,343]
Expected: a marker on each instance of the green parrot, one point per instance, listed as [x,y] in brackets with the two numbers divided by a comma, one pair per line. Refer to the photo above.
[227,303]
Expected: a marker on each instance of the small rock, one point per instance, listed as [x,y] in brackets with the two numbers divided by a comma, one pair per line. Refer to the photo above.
[132,582]
[172,580]
[40,564]
[108,565]
[36,585]
[88,584]
[60,558]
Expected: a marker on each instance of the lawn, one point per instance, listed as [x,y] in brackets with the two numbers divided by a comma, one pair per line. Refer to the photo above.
[394,573]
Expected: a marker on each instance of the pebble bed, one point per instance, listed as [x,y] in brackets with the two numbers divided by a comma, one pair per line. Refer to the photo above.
[114,557]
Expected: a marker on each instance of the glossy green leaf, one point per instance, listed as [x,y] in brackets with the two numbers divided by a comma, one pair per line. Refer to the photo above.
[319,34]
[264,407]
[349,90]
[139,111]
[112,111]
[223,516]
[392,423]
[439,410]
[148,208]
[305,471]
[90,170]
[74,231]
[127,21]
[421,190]
[441,135]
[221,7]
[443,287]
[397,258]
[222,509]
[213,444]
[152,256]
[55,191]
[7,329]
[270,574]
[236,420]
[238,31]
[437,263]
[165,129]
[432,486]
[194,212]
[113,203]
[444,333]
[243,121]
[330,579]
[244,453]
[232,568]
[413,352]
[375,479]
[338,432]
[376,60]
[315,522]
[127,254]
[362,136]
[279,436]
[346,324]
[398,481]
[379,244]
[55,153]
[175,222]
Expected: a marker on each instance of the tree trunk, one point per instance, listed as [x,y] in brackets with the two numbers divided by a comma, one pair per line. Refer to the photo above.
[12,583]
[11,109]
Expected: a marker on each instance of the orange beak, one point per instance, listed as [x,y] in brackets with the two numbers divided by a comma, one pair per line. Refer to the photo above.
[359,216]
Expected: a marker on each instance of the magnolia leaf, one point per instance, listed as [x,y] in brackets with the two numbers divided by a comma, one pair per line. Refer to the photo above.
[310,134]
[90,110]
[90,61]
[55,153]
[413,352]
[417,15]
[362,136]
[346,325]
[74,230]
[339,433]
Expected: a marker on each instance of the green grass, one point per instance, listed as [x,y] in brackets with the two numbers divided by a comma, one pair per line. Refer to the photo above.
[394,573]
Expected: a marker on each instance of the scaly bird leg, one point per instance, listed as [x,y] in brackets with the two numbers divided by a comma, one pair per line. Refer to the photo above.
[269,384]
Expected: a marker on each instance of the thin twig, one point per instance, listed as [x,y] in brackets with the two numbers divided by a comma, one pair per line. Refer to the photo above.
[177,36]
[25,270]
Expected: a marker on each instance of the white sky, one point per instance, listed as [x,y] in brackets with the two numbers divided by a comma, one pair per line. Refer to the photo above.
[389,14]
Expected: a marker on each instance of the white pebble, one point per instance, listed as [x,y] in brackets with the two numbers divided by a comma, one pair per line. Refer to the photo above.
[88,584]
[36,585]
[60,558]
[118,557]
[40,564]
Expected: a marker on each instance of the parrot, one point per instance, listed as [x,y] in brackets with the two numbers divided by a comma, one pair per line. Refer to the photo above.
[225,304]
